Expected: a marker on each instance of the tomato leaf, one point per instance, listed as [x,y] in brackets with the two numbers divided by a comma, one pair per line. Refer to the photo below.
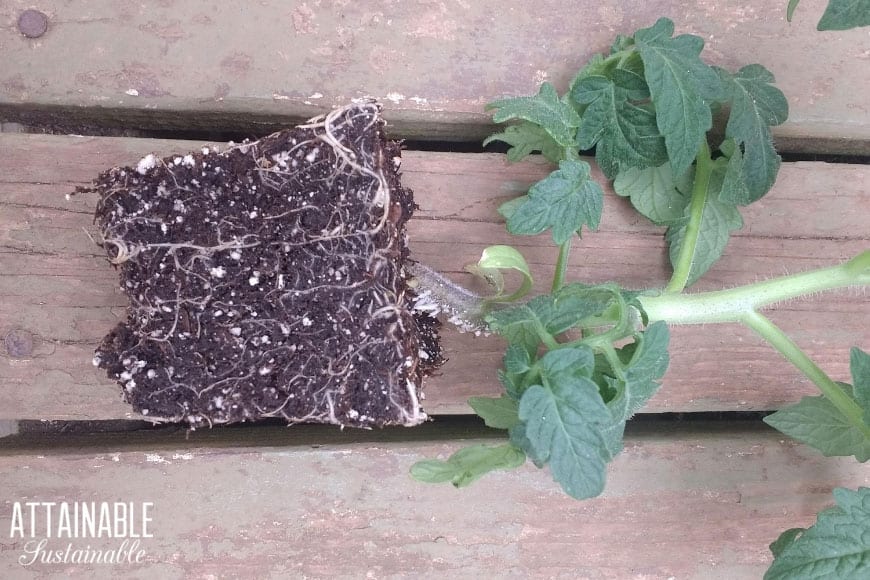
[836,546]
[498,413]
[785,539]
[624,134]
[545,109]
[859,364]
[563,201]
[845,14]
[519,325]
[682,88]
[562,419]
[734,188]
[525,138]
[655,193]
[647,367]
[818,423]
[755,106]
[468,464]
[718,220]
[492,261]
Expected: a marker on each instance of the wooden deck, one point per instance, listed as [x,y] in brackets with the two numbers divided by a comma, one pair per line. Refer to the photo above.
[690,499]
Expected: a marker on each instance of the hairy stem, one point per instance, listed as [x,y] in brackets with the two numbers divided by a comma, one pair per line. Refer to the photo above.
[683,267]
[561,265]
[732,304]
[787,348]
[615,364]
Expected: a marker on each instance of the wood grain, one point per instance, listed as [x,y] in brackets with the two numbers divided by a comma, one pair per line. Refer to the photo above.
[434,64]
[688,505]
[57,287]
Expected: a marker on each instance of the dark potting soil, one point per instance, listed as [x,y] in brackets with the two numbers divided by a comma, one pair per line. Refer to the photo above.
[268,280]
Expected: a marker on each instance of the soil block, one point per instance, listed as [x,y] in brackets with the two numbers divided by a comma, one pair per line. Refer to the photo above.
[269,280]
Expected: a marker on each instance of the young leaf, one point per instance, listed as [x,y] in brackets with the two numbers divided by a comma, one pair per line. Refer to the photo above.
[654,192]
[517,360]
[561,425]
[519,325]
[509,382]
[500,413]
[734,189]
[564,201]
[517,437]
[647,367]
[625,134]
[613,435]
[718,220]
[525,138]
[836,546]
[859,364]
[682,88]
[545,109]
[620,43]
[573,303]
[567,363]
[468,465]
[507,209]
[785,539]
[546,315]
[818,423]
[845,14]
[755,105]
[492,261]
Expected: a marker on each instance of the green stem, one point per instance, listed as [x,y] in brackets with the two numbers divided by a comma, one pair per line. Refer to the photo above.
[732,304]
[683,266]
[561,265]
[610,354]
[787,348]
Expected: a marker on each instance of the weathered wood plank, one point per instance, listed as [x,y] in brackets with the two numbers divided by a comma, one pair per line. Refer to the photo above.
[435,64]
[55,285]
[687,505]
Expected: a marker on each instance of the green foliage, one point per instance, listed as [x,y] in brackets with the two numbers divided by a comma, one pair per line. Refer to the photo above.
[583,359]
[624,133]
[714,223]
[492,261]
[682,87]
[840,14]
[755,105]
[818,423]
[563,202]
[655,193]
[646,108]
[859,364]
[561,425]
[498,413]
[544,317]
[468,465]
[645,369]
[785,540]
[836,546]
[545,109]
[525,138]
[845,14]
